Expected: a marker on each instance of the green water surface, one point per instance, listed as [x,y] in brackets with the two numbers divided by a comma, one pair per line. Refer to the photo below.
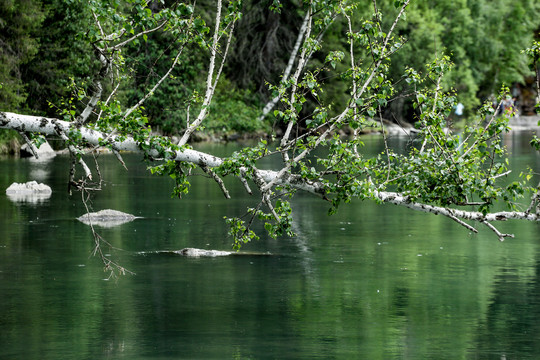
[372,282]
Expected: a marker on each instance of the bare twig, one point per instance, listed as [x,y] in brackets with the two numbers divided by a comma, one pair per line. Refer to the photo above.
[138,35]
[109,265]
[75,153]
[29,143]
[500,235]
[486,127]
[143,99]
[432,110]
[244,182]
[108,99]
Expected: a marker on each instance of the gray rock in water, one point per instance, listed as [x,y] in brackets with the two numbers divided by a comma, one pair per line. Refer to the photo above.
[30,187]
[106,218]
[28,192]
[193,252]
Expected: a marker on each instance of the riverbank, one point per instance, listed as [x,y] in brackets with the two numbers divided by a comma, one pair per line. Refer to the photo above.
[525,122]
[10,141]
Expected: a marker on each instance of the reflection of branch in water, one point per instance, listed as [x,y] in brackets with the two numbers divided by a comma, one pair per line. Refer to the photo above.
[111,266]
[85,188]
[300,240]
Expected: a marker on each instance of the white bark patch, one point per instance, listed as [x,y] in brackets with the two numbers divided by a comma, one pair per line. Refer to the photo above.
[401,200]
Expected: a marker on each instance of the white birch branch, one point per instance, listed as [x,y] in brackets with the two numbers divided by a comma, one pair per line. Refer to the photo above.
[97,91]
[301,63]
[500,235]
[49,126]
[210,84]
[339,119]
[217,179]
[270,105]
[30,144]
[455,214]
[385,44]
[73,152]
[354,71]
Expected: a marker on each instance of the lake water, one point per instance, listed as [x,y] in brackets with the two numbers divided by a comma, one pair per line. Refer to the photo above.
[372,282]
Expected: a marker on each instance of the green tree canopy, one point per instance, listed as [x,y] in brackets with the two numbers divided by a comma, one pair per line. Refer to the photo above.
[20,22]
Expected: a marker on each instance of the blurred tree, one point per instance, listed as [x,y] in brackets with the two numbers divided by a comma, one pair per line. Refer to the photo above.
[20,22]
[62,58]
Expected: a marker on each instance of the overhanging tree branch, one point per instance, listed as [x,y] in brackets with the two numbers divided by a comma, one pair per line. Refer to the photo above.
[268,178]
[442,177]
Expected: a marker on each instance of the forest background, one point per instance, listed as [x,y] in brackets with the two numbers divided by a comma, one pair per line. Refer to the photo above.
[44,58]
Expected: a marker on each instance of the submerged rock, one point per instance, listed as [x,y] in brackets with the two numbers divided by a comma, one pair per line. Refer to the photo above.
[106,218]
[193,252]
[31,191]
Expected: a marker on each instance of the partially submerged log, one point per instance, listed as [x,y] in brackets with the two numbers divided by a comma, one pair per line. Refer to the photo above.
[106,218]
[196,253]
[193,252]
[31,191]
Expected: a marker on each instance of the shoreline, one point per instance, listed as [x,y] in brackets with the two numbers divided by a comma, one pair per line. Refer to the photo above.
[520,123]
[516,123]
